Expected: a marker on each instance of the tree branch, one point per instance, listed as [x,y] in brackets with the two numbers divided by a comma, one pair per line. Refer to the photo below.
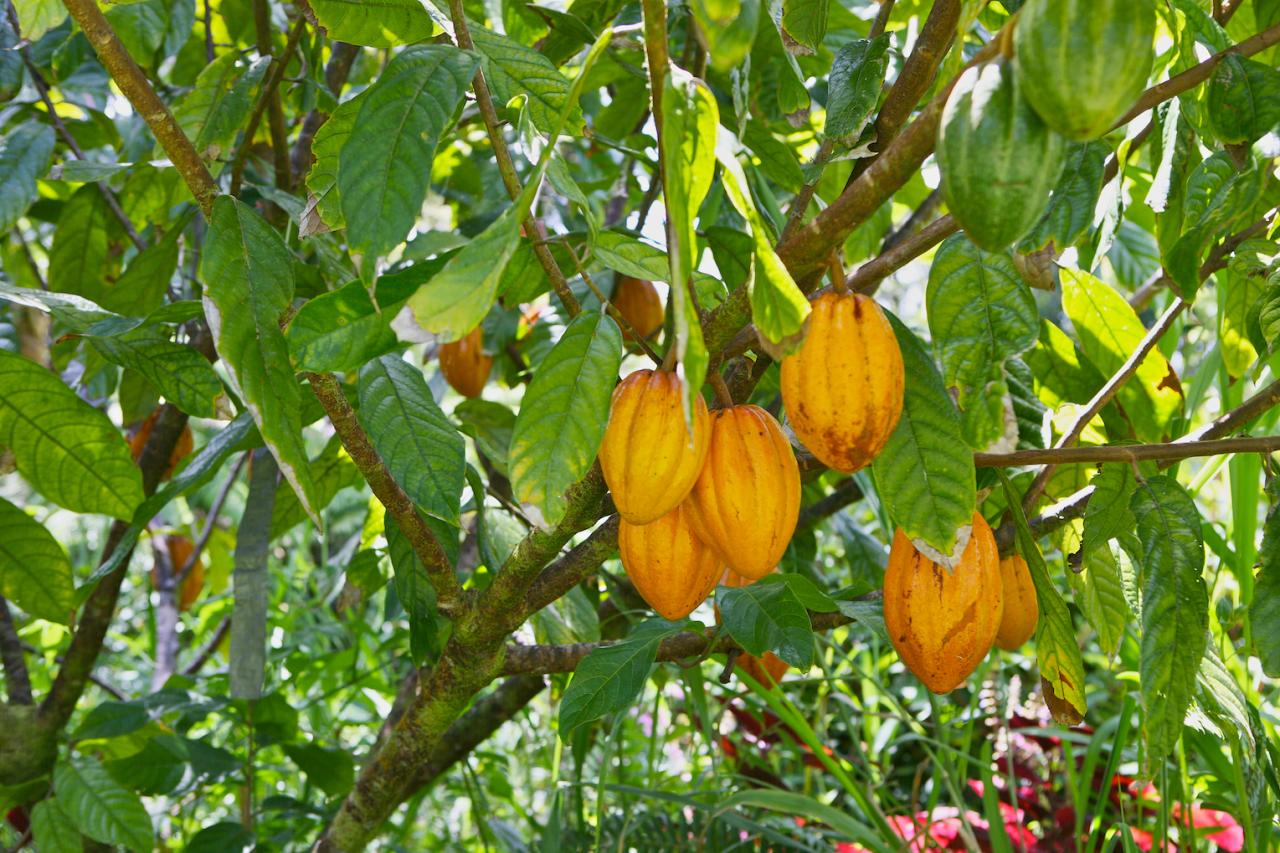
[269,100]
[135,86]
[16,678]
[341,57]
[1170,452]
[574,567]
[867,278]
[919,70]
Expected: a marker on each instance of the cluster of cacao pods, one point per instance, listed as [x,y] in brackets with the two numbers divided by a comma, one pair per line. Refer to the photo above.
[1077,66]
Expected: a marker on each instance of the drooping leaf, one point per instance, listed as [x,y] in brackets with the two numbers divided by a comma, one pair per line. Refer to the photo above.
[1244,99]
[35,573]
[67,450]
[767,616]
[729,28]
[331,770]
[1107,514]
[611,676]
[804,24]
[382,181]
[212,113]
[248,274]
[1074,199]
[340,330]
[324,211]
[631,256]
[421,448]
[1264,610]
[251,581]
[1100,597]
[1175,608]
[416,594]
[490,425]
[925,474]
[853,87]
[37,17]
[25,153]
[100,807]
[563,415]
[387,23]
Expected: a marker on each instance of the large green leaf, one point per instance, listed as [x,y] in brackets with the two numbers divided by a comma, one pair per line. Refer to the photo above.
[100,807]
[766,616]
[1109,331]
[420,446]
[53,830]
[1244,99]
[248,274]
[563,415]
[925,475]
[69,451]
[383,171]
[145,282]
[25,153]
[181,373]
[322,181]
[212,112]
[611,677]
[37,17]
[778,307]
[1264,610]
[387,23]
[512,70]
[857,75]
[35,573]
[340,330]
[1107,514]
[804,24]
[78,260]
[981,313]
[1175,608]
[1100,597]
[631,256]
[1074,199]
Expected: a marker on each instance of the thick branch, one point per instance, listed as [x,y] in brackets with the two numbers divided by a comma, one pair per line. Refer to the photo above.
[17,681]
[387,490]
[867,278]
[573,568]
[135,86]
[848,492]
[919,70]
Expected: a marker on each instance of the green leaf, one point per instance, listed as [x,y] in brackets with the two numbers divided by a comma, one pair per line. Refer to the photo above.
[35,573]
[332,471]
[76,311]
[37,17]
[182,374]
[145,282]
[248,274]
[778,307]
[213,112]
[611,677]
[1074,199]
[729,29]
[631,256]
[420,446]
[1219,694]
[925,475]
[67,450]
[776,159]
[563,415]
[1100,596]
[340,330]
[513,70]
[1109,332]
[1244,293]
[322,180]
[416,594]
[331,770]
[1264,610]
[225,837]
[981,313]
[1244,99]
[804,24]
[102,809]
[155,770]
[25,153]
[387,23]
[1061,667]
[1175,609]
[382,167]
[79,257]
[112,719]
[251,580]
[490,425]
[1107,514]
[853,88]
[766,616]
[53,830]
[791,804]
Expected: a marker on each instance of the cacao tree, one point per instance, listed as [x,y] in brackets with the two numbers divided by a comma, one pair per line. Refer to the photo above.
[639,425]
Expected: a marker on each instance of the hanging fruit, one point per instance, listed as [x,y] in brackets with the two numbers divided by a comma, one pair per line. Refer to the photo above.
[1021,607]
[648,456]
[672,569]
[747,498]
[465,365]
[943,622]
[843,389]
[639,304]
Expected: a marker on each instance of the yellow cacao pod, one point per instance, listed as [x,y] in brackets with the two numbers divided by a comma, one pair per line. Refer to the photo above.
[1021,607]
[464,364]
[747,498]
[671,568]
[767,669]
[649,459]
[943,622]
[843,389]
[639,304]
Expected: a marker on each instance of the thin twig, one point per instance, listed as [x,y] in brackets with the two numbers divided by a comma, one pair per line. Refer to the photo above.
[1169,452]
[866,279]
[882,19]
[209,648]
[211,521]
[268,100]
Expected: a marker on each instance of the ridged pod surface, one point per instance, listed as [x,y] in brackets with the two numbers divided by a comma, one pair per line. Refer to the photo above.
[464,364]
[648,457]
[671,568]
[767,669]
[843,389]
[999,160]
[1082,64]
[747,498]
[1021,607]
[640,305]
[943,622]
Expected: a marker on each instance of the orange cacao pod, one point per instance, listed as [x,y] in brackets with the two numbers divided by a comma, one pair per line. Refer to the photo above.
[943,622]
[747,498]
[1021,607]
[671,568]
[648,457]
[843,389]
[639,304]
[767,669]
[181,450]
[180,548]
[464,364]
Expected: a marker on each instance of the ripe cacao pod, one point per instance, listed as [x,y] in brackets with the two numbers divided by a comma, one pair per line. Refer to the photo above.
[843,389]
[639,304]
[649,459]
[1081,64]
[671,568]
[180,548]
[767,669]
[1021,607]
[999,160]
[181,450]
[464,364]
[747,498]
[943,622]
